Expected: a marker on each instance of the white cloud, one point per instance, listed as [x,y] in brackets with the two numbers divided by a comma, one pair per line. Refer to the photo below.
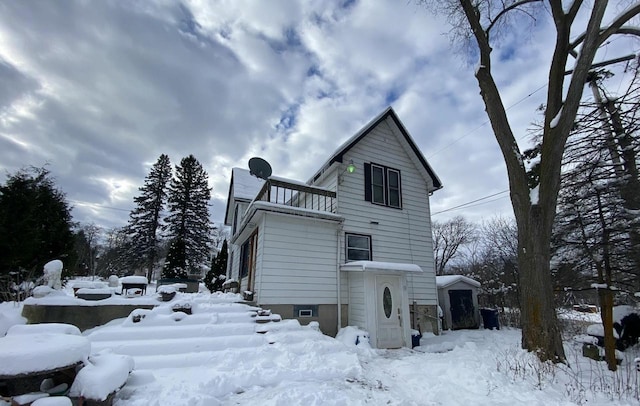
[100,89]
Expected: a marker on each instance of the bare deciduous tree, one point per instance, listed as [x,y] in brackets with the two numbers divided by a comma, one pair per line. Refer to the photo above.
[477,20]
[448,238]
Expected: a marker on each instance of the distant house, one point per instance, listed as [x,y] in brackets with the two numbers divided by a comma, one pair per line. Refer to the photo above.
[355,237]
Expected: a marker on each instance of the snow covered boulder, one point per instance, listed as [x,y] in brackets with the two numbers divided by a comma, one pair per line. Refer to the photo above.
[102,376]
[114,281]
[53,401]
[53,274]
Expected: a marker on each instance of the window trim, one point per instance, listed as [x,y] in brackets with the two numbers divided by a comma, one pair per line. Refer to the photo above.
[386,187]
[346,247]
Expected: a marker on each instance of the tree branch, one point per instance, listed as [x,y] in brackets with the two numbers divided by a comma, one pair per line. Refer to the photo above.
[506,10]
[616,27]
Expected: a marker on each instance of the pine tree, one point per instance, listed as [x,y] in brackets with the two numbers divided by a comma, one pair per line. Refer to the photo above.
[218,273]
[35,223]
[144,220]
[175,266]
[189,222]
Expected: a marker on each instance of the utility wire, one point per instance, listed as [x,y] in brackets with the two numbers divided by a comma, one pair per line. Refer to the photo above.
[485,122]
[81,203]
[471,202]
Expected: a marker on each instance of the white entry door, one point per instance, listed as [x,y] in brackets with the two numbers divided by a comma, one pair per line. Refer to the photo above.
[389,332]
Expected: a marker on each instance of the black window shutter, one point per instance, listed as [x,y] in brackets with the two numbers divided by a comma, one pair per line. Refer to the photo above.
[367,182]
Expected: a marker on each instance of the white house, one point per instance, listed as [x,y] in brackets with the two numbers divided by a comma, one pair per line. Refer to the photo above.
[355,237]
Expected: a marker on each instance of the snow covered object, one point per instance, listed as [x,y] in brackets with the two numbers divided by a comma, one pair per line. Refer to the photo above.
[53,273]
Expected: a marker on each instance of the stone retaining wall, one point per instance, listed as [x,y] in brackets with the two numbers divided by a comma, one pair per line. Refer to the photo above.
[83,317]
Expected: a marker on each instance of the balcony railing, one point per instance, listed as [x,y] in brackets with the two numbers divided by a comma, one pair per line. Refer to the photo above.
[297,195]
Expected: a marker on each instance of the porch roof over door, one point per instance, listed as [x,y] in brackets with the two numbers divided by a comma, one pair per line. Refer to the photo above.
[374,266]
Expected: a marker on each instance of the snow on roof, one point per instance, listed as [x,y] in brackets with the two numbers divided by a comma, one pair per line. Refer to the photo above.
[245,185]
[447,280]
[373,266]
[281,208]
[22,354]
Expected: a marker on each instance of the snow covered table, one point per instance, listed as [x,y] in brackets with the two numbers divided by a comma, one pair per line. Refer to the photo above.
[134,282]
[27,359]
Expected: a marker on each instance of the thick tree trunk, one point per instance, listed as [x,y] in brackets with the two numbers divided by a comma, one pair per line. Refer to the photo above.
[540,328]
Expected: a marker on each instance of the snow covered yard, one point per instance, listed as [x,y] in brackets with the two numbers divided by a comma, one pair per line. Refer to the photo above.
[218,355]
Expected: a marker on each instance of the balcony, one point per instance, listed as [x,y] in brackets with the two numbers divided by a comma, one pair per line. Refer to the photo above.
[287,193]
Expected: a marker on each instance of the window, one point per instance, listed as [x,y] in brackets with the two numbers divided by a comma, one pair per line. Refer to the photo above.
[393,188]
[235,220]
[248,259]
[382,185]
[358,247]
[245,259]
[377,184]
[303,311]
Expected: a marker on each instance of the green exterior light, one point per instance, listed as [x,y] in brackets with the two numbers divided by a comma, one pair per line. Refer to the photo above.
[351,168]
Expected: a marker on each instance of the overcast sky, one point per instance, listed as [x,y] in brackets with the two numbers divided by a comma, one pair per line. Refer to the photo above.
[99,89]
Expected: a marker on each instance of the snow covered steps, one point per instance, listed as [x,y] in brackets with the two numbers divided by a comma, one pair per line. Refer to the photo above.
[165,338]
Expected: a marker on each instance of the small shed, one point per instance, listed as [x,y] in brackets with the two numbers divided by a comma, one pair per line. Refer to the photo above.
[458,298]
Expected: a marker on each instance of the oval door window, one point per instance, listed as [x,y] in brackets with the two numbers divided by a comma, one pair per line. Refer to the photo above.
[386,302]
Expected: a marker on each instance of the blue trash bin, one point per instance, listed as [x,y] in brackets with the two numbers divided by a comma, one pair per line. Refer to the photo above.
[490,318]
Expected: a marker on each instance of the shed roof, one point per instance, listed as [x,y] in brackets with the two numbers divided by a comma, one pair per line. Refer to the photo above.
[448,280]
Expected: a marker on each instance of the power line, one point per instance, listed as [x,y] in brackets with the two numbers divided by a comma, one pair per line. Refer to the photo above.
[100,206]
[485,122]
[471,202]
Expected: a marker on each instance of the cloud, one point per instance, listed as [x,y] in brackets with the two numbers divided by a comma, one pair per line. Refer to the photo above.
[100,89]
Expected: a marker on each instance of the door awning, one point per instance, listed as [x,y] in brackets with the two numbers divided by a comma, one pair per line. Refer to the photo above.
[374,266]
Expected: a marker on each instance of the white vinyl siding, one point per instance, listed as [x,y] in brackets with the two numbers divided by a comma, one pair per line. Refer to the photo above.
[356,299]
[397,235]
[298,261]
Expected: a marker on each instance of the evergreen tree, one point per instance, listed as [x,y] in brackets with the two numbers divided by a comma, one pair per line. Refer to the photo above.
[35,223]
[144,220]
[218,273]
[189,222]
[176,264]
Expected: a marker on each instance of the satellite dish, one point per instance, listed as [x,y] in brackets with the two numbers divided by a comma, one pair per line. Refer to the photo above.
[259,168]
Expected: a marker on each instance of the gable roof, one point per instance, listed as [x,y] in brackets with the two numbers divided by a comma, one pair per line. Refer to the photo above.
[448,280]
[244,186]
[347,145]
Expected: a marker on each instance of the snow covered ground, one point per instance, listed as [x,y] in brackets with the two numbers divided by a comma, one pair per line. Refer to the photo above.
[219,356]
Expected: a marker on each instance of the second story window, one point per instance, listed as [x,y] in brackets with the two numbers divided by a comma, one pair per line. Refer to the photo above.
[382,185]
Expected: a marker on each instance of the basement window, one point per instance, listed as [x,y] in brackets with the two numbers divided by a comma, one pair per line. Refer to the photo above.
[305,311]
